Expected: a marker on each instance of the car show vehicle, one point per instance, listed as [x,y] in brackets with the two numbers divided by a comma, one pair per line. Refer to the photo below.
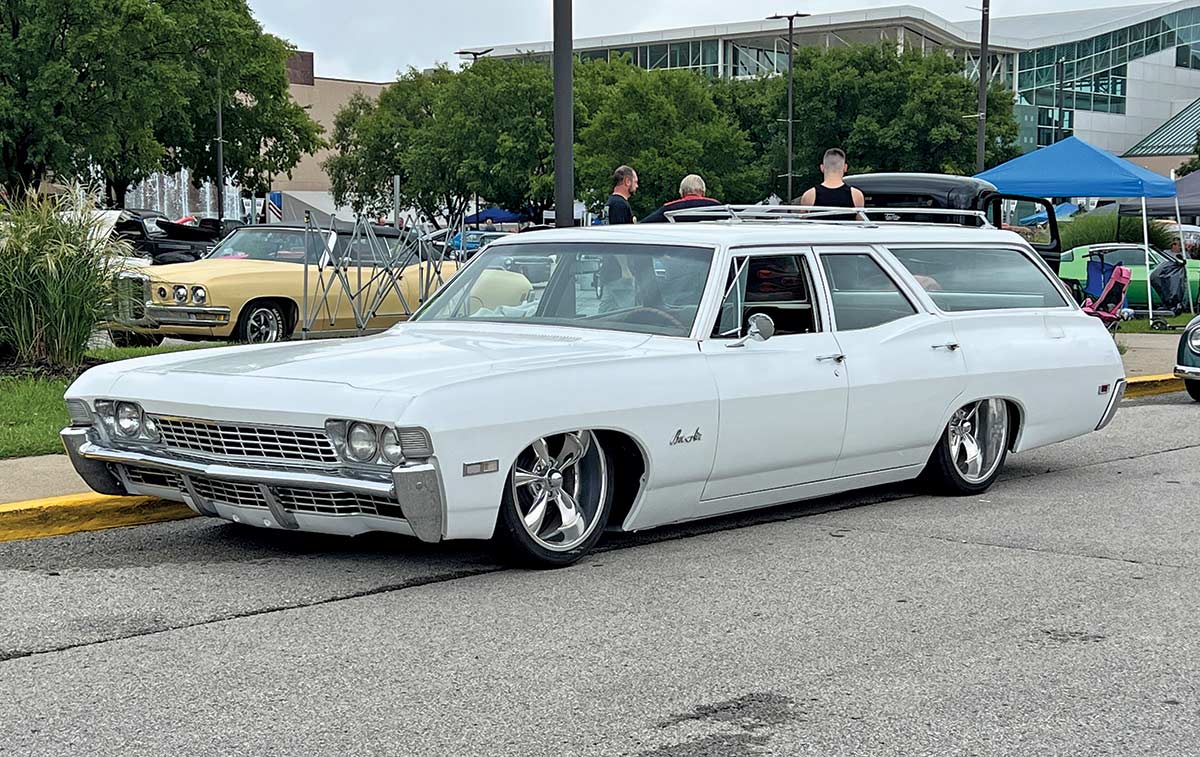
[467,243]
[155,238]
[740,363]
[1187,359]
[1084,270]
[254,287]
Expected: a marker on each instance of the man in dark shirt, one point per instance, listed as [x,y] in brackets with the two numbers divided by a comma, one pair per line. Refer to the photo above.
[832,192]
[691,195]
[625,183]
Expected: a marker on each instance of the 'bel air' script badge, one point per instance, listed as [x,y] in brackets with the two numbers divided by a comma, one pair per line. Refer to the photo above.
[681,439]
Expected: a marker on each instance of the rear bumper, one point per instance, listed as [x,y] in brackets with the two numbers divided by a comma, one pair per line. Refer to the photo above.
[410,500]
[1114,402]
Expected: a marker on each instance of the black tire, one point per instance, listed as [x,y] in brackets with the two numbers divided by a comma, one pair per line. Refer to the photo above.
[944,477]
[250,329]
[134,339]
[513,539]
[1193,389]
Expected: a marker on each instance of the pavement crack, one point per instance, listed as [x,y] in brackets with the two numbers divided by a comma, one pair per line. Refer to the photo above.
[454,575]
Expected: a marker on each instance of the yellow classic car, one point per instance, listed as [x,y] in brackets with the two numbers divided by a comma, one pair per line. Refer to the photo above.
[255,287]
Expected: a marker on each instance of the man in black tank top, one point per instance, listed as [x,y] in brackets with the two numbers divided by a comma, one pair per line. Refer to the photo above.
[833,192]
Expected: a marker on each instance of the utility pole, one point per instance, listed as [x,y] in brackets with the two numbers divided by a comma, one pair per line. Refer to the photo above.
[564,117]
[985,67]
[220,152]
[791,111]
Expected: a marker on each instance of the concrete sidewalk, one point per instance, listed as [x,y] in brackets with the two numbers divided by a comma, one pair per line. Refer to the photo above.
[29,478]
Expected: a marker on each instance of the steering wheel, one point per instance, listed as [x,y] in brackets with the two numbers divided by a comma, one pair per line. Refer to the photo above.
[672,320]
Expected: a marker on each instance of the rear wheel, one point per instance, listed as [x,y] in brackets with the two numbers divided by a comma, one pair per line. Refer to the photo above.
[1193,389]
[556,501]
[972,450]
[134,339]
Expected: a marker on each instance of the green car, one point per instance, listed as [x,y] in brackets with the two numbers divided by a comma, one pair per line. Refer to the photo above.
[1073,270]
[1187,360]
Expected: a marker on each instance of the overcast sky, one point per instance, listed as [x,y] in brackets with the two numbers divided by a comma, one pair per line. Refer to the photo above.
[373,39]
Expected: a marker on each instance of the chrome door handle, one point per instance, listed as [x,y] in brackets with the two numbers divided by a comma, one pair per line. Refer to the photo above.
[831,358]
[952,346]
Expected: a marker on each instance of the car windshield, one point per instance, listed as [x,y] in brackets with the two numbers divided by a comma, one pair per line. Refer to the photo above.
[649,289]
[284,245]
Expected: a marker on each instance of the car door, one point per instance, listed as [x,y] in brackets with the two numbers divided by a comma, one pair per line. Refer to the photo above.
[902,361]
[782,401]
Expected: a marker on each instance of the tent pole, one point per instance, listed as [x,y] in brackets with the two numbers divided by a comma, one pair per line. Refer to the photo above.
[1146,240]
[1183,250]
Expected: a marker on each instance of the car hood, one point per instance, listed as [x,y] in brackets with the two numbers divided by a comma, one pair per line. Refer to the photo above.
[211,268]
[410,357]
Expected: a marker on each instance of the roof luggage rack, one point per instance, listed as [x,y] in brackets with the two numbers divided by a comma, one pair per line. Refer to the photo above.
[830,215]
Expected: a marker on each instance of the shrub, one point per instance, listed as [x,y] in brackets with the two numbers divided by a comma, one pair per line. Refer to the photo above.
[1099,228]
[57,279]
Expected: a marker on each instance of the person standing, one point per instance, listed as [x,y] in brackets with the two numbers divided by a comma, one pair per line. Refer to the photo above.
[833,192]
[691,195]
[625,183]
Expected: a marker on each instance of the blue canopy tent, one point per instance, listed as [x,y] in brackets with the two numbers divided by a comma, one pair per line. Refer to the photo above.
[1073,168]
[1063,210]
[494,215]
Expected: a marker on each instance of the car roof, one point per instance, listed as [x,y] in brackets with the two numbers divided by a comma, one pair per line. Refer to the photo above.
[749,233]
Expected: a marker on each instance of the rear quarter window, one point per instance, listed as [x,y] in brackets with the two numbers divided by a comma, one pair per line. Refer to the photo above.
[963,279]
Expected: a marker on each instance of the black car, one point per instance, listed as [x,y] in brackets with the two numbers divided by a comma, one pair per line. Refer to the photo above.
[945,192]
[153,236]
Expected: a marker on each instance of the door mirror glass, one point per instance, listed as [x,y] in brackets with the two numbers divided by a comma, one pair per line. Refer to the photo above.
[761,328]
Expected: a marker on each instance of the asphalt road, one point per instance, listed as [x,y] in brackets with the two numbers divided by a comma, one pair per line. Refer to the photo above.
[1056,614]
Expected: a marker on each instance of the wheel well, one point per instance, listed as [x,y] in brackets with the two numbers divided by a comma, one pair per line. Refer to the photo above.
[287,305]
[1015,418]
[629,467]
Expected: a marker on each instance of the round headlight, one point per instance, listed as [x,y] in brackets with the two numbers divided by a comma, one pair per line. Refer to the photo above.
[199,295]
[1194,339]
[180,293]
[162,293]
[129,419]
[150,428]
[362,442]
[391,447]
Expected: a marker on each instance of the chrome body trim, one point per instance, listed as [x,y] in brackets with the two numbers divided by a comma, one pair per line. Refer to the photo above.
[95,473]
[1114,402]
[422,498]
[186,315]
[1187,372]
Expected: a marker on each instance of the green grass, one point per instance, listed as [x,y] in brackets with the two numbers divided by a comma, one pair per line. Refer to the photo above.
[1142,325]
[32,411]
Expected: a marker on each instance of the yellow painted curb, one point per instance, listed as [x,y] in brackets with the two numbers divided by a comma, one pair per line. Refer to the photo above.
[1146,386]
[58,516]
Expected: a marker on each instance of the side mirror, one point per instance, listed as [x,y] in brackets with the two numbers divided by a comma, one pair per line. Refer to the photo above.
[761,328]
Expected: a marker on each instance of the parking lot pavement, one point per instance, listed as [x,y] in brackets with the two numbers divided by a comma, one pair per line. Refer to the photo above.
[1054,614]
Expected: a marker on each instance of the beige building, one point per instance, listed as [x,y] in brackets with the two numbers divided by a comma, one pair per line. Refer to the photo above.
[324,98]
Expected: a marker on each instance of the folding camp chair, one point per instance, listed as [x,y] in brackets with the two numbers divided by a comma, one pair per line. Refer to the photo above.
[1108,306]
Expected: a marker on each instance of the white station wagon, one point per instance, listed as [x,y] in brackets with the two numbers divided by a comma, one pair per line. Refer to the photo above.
[643,376]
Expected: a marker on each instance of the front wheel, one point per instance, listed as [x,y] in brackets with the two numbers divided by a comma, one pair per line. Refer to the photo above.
[1193,389]
[261,323]
[556,501]
[972,449]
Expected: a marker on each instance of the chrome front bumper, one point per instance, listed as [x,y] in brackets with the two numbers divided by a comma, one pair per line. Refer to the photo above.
[416,488]
[186,315]
[1187,373]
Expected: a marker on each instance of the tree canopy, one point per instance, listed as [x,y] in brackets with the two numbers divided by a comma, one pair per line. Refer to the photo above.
[117,90]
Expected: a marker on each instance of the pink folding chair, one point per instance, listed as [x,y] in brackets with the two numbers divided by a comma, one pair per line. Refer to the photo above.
[1107,307]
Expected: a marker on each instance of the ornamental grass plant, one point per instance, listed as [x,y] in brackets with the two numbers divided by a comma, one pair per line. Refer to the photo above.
[1102,228]
[58,268]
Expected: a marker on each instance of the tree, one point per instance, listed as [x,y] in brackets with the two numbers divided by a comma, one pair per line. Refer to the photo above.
[1192,163]
[666,125]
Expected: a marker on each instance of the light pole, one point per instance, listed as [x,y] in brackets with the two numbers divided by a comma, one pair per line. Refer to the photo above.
[985,67]
[791,111]
[564,117]
[220,151]
[1059,72]
[475,54]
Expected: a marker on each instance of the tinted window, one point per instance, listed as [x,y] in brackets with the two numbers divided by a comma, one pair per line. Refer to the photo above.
[283,245]
[863,295]
[776,285]
[980,278]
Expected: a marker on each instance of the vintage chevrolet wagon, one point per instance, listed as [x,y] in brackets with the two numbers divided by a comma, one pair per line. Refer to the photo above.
[719,367]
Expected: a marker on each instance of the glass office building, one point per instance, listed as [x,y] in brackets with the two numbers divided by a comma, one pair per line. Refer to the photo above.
[1109,75]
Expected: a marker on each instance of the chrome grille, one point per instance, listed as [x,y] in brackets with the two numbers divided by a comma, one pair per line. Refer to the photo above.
[335,503]
[132,293]
[235,440]
[229,492]
[152,477]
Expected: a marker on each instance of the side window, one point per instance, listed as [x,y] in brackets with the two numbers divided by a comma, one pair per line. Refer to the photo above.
[981,278]
[1125,256]
[863,295]
[777,285]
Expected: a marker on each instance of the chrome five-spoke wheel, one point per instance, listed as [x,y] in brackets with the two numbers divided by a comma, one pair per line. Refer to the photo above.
[972,450]
[262,324]
[557,498]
